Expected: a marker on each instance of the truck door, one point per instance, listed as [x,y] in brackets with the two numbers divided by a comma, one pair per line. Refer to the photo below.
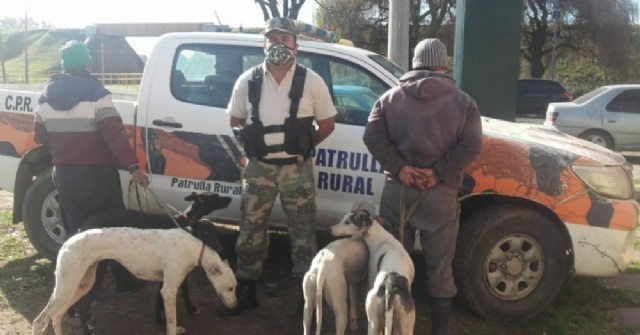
[189,142]
[345,171]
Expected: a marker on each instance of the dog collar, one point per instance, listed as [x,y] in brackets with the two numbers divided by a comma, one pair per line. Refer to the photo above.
[201,254]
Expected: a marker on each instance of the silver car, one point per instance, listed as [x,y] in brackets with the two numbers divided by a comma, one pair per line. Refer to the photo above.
[608,116]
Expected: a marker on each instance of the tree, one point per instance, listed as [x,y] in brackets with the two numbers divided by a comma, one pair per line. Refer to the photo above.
[594,28]
[356,20]
[18,23]
[430,14]
[365,21]
[290,8]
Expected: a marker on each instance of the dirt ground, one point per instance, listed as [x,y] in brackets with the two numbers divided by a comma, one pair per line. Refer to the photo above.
[133,312]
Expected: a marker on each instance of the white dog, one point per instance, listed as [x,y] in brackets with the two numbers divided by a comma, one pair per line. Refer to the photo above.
[166,255]
[389,304]
[339,267]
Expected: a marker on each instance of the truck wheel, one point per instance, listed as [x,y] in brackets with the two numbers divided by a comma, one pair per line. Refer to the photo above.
[510,262]
[42,216]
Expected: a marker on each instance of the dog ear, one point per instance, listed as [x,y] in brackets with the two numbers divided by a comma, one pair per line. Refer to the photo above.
[364,217]
[215,270]
[191,197]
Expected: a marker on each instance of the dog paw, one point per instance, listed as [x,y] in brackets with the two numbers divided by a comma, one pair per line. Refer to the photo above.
[180,330]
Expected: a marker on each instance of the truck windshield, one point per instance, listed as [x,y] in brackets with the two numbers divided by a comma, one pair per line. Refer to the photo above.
[388,65]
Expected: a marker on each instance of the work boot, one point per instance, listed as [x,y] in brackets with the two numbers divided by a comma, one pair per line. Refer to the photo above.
[246,296]
[440,315]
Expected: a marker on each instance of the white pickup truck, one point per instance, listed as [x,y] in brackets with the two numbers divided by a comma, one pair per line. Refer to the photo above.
[537,205]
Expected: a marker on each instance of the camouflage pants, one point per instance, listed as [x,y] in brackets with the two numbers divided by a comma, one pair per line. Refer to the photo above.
[436,217]
[296,187]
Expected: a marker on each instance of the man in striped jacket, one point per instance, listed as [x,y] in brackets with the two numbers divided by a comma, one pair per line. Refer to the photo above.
[79,125]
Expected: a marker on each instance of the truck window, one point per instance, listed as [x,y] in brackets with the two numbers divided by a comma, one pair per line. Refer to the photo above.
[354,90]
[204,74]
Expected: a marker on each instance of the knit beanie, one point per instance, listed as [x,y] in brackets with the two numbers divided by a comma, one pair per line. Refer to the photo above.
[430,53]
[74,55]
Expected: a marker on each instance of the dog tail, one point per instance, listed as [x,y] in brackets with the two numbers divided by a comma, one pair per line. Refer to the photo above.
[322,275]
[396,289]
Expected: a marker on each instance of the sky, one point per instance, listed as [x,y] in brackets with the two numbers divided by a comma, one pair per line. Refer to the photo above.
[80,14]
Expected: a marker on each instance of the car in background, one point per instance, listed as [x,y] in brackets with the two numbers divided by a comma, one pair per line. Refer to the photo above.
[608,116]
[534,95]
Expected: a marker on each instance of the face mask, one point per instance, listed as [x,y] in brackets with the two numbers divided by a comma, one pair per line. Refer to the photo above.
[279,54]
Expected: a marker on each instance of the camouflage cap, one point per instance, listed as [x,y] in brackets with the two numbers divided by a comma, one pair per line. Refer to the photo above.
[283,24]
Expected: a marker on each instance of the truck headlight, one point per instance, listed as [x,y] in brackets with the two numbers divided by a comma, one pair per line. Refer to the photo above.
[608,181]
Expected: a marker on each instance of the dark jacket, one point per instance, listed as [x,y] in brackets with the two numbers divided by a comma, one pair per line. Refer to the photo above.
[425,122]
[77,121]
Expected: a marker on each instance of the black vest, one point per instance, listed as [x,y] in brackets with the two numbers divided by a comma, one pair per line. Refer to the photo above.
[299,133]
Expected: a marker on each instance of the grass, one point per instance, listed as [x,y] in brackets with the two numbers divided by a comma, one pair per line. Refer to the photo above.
[20,268]
[582,307]
[42,53]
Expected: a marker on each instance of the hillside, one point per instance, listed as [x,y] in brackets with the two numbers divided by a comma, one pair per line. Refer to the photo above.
[43,48]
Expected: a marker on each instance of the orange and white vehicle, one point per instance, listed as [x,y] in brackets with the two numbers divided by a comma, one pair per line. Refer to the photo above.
[537,205]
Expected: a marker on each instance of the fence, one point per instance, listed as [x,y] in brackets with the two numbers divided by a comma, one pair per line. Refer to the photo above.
[119,79]
[130,80]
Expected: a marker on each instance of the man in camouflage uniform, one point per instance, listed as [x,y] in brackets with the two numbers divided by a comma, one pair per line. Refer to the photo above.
[279,171]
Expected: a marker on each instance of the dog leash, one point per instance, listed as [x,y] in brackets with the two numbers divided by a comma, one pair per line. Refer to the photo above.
[406,213]
[164,206]
[201,255]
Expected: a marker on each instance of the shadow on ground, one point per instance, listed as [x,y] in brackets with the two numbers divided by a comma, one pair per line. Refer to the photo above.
[28,283]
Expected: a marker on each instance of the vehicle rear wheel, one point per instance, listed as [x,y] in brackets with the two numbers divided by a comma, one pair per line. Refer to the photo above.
[42,216]
[510,263]
[599,137]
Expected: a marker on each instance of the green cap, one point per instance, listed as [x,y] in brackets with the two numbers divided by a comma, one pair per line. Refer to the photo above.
[283,24]
[74,55]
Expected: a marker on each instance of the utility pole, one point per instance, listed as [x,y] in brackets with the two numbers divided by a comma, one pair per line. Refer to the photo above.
[26,44]
[555,15]
[398,44]
[2,55]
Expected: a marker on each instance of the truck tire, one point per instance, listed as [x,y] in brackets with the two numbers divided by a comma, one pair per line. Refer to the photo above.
[42,216]
[510,262]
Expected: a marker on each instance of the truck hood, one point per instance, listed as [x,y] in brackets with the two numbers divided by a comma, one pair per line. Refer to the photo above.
[539,135]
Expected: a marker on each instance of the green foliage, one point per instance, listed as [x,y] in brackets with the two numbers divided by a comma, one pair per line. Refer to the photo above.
[580,75]
[42,53]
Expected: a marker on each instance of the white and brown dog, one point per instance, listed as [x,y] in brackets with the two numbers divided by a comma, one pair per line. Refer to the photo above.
[389,305]
[335,270]
[166,255]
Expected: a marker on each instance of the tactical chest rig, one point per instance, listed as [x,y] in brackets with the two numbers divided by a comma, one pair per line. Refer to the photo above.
[299,133]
